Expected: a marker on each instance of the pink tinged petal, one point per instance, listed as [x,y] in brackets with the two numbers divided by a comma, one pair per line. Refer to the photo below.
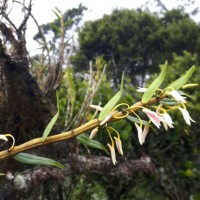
[3,137]
[140,135]
[186,116]
[177,96]
[93,133]
[141,89]
[153,117]
[119,145]
[145,132]
[113,156]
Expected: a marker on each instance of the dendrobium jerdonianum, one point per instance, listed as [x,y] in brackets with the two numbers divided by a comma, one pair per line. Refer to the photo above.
[156,103]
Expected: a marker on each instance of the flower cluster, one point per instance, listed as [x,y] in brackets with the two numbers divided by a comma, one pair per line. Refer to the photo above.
[161,115]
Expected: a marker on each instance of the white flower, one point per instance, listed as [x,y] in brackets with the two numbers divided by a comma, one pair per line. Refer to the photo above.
[113,156]
[167,120]
[140,89]
[142,134]
[153,117]
[186,116]
[119,145]
[177,96]
[145,132]
[3,137]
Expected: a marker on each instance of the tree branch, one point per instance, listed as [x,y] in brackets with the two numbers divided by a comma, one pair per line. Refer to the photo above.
[27,180]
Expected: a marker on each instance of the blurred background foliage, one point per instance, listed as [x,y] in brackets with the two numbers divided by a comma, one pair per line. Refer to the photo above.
[136,42]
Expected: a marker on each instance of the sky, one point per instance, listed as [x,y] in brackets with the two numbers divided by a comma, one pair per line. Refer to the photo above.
[42,11]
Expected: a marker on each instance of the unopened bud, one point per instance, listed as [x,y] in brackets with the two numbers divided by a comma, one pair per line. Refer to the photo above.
[93,133]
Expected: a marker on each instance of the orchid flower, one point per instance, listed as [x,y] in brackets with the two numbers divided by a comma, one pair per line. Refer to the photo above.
[142,133]
[112,151]
[177,96]
[167,120]
[145,132]
[186,116]
[119,145]
[153,116]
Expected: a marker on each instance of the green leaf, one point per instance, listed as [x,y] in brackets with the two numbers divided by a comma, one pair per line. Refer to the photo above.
[136,120]
[2,174]
[58,13]
[169,102]
[36,160]
[68,23]
[182,80]
[55,27]
[155,84]
[53,120]
[91,143]
[112,102]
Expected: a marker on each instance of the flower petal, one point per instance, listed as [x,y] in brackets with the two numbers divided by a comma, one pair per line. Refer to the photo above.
[3,137]
[153,117]
[167,120]
[119,145]
[140,135]
[145,132]
[113,156]
[177,96]
[186,116]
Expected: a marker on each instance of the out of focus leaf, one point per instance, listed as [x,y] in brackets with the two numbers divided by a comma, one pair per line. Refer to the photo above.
[91,143]
[53,120]
[36,160]
[168,101]
[155,84]
[56,28]
[112,102]
[182,80]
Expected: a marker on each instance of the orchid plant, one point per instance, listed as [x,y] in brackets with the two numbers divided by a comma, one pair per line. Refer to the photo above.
[165,100]
[156,104]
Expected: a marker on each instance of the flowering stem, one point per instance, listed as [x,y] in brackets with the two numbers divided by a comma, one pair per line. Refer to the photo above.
[73,133]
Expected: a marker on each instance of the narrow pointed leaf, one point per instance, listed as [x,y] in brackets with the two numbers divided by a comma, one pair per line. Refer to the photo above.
[68,23]
[36,160]
[91,143]
[56,28]
[168,101]
[112,102]
[58,16]
[155,85]
[53,120]
[182,80]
